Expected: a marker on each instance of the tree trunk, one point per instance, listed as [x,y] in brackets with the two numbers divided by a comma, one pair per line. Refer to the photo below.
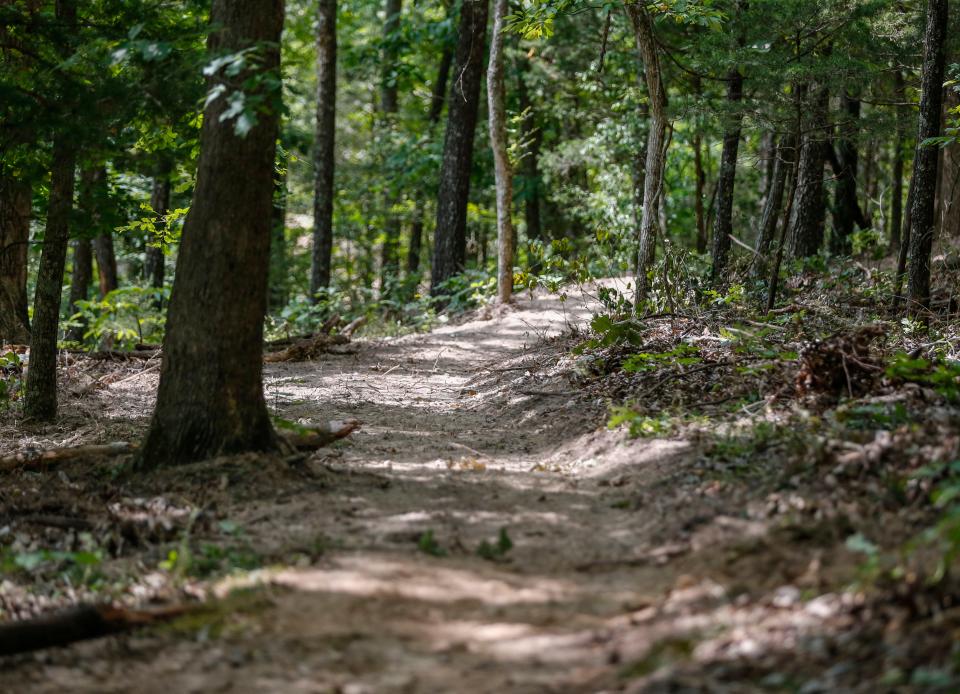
[153,266]
[210,399]
[93,195]
[15,204]
[503,170]
[723,225]
[656,147]
[846,207]
[40,402]
[450,235]
[922,209]
[784,156]
[530,182]
[896,185]
[389,103]
[438,98]
[279,283]
[700,184]
[323,147]
[80,284]
[808,216]
[949,210]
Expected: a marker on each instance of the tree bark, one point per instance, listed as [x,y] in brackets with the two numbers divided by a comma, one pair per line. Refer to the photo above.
[723,224]
[846,206]
[896,184]
[323,147]
[503,170]
[80,284]
[389,103]
[15,204]
[784,155]
[210,399]
[530,165]
[656,147]
[279,283]
[949,210]
[450,234]
[808,216]
[923,205]
[154,261]
[40,402]
[700,184]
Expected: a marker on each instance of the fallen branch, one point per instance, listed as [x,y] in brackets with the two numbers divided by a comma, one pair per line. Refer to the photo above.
[80,623]
[303,350]
[310,438]
[54,456]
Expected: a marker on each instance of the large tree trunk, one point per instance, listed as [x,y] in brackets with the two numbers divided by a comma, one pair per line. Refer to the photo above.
[503,170]
[656,147]
[80,283]
[808,216]
[15,203]
[896,185]
[210,399]
[450,234]
[846,207]
[154,261]
[40,402]
[438,98]
[923,205]
[323,146]
[784,156]
[389,103]
[723,225]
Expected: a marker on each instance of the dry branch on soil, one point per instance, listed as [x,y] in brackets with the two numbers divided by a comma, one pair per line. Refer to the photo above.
[31,458]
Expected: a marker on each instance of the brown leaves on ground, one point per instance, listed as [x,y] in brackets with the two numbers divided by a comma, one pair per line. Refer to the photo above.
[842,363]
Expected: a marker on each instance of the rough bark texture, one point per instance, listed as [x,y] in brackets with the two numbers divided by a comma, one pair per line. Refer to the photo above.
[389,103]
[279,285]
[923,205]
[846,206]
[40,402]
[323,146]
[210,398]
[784,157]
[896,184]
[700,184]
[656,146]
[15,202]
[93,193]
[808,216]
[153,266]
[80,283]
[438,98]
[450,234]
[497,110]
[723,224]
[948,212]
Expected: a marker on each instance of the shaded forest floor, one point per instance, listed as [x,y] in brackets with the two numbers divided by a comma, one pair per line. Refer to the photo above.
[483,532]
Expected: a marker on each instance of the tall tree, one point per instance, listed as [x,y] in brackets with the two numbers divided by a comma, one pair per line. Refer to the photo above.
[529,173]
[153,266]
[210,398]
[503,169]
[390,104]
[15,203]
[772,204]
[808,216]
[846,206]
[323,146]
[723,224]
[656,145]
[896,174]
[96,179]
[450,234]
[79,284]
[40,397]
[924,184]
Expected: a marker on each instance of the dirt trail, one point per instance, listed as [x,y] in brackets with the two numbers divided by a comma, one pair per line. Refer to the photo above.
[620,564]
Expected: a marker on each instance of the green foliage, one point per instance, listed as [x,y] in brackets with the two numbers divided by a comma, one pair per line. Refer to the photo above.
[11,379]
[162,230]
[124,318]
[496,551]
[429,545]
[78,567]
[681,355]
[639,425]
[941,375]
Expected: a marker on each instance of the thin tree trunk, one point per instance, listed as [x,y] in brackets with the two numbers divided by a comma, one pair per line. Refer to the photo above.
[923,206]
[40,402]
[503,170]
[700,184]
[278,287]
[896,196]
[948,212]
[785,154]
[80,284]
[438,98]
[93,195]
[15,204]
[154,260]
[530,165]
[808,216]
[846,206]
[323,161]
[656,147]
[389,103]
[210,399]
[723,225]
[450,234]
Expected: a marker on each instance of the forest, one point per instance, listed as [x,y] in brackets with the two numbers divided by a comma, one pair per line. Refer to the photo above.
[479,346]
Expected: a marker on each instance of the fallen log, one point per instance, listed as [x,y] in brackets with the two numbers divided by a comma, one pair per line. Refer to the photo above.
[52,456]
[80,623]
[303,350]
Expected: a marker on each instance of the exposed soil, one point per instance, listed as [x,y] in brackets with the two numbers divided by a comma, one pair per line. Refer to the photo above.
[630,569]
